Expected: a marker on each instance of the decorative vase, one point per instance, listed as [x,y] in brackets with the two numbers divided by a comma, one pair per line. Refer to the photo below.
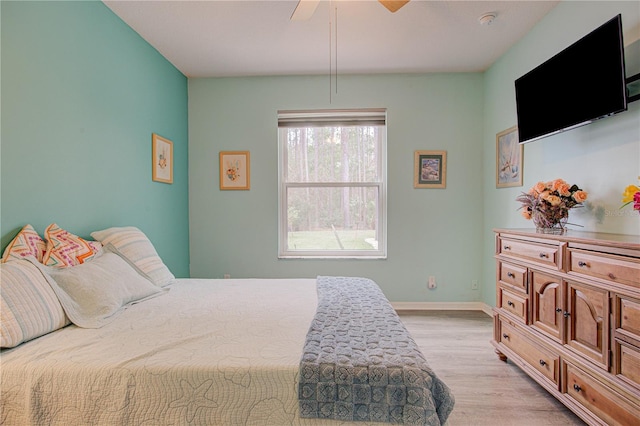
[546,225]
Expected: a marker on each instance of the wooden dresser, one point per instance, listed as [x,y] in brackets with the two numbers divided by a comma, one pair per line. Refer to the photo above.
[568,314]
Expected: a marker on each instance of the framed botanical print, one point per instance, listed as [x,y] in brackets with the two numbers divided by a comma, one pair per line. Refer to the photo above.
[162,155]
[235,171]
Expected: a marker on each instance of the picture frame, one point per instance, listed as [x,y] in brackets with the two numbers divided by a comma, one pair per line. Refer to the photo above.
[430,169]
[633,87]
[162,157]
[235,170]
[509,158]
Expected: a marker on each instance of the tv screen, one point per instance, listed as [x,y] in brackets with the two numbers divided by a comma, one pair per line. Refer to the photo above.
[582,83]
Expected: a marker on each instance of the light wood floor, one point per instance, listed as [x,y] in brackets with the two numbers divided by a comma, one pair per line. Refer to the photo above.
[487,390]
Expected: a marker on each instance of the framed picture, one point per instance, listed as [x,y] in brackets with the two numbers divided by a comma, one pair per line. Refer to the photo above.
[430,169]
[162,154]
[633,86]
[235,170]
[509,154]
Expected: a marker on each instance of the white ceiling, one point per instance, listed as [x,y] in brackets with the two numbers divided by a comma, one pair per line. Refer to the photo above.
[218,38]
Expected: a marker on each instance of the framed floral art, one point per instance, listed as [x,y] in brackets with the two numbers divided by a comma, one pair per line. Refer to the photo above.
[162,155]
[235,170]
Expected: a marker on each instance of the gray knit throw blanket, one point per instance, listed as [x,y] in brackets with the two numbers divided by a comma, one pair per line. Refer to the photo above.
[360,364]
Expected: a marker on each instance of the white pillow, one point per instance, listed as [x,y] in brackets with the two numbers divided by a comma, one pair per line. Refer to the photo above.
[134,246]
[28,306]
[94,293]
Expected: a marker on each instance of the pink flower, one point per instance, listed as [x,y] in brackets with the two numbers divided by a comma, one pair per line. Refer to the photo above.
[630,195]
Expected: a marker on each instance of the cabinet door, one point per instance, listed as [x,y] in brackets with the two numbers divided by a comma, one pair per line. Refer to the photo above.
[547,304]
[588,322]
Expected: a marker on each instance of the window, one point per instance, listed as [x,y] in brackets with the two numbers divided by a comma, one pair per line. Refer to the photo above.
[332,183]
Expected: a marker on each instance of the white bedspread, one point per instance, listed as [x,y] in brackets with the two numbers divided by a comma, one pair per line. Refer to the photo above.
[210,352]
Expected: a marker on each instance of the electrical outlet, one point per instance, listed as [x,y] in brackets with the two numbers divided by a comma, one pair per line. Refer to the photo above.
[227,276]
[432,282]
[474,284]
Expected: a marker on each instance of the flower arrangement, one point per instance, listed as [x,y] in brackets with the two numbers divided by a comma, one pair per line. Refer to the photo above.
[630,195]
[548,203]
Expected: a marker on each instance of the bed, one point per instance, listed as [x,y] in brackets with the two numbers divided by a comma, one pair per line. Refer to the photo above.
[209,352]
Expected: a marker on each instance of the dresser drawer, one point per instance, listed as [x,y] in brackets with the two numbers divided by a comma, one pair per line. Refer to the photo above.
[626,315]
[616,269]
[514,303]
[627,363]
[513,275]
[542,254]
[540,358]
[593,395]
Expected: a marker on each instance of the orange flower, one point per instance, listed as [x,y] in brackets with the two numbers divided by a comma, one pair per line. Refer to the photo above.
[554,200]
[554,185]
[540,187]
[564,189]
[580,196]
[526,213]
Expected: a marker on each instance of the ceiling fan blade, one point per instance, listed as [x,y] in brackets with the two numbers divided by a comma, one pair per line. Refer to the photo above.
[393,5]
[304,10]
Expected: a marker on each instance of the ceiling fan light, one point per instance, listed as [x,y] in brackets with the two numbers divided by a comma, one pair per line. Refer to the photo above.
[304,10]
[393,5]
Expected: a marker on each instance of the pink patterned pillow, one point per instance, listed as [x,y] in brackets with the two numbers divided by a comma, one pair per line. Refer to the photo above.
[65,249]
[26,243]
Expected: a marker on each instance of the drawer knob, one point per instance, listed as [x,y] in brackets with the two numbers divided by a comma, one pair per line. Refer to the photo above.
[566,314]
[558,310]
[543,362]
[505,336]
[507,247]
[577,388]
[583,264]
[544,255]
[511,275]
[611,276]
[510,303]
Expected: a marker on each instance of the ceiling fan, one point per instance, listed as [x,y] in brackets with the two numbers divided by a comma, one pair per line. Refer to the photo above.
[305,8]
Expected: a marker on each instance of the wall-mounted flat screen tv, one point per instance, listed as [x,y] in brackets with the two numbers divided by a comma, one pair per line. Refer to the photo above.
[582,83]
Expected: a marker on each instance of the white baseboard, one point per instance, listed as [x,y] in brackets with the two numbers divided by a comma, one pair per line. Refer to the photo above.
[443,306]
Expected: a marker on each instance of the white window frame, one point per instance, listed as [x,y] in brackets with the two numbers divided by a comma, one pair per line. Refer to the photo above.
[331,118]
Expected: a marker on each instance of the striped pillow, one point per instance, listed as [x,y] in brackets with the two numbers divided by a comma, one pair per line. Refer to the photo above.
[28,306]
[65,249]
[134,246]
[26,243]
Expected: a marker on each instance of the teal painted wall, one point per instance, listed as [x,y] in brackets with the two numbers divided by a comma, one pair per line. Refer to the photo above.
[430,231]
[81,95]
[602,158]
